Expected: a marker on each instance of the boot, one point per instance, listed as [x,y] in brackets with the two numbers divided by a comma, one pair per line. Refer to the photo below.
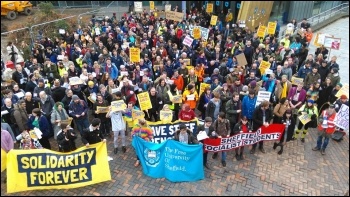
[280,151]
[275,145]
[241,156]
[237,157]
[215,155]
[303,136]
[252,151]
[296,134]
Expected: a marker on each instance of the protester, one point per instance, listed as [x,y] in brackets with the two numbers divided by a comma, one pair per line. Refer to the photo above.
[287,136]
[184,135]
[39,121]
[312,112]
[92,134]
[58,115]
[208,129]
[6,143]
[242,126]
[66,138]
[222,128]
[142,130]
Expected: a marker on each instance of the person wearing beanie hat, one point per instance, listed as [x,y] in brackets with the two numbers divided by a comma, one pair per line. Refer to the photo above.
[289,122]
[311,110]
[190,96]
[184,135]
[78,109]
[92,134]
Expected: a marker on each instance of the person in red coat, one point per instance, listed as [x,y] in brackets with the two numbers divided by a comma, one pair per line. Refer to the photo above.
[326,128]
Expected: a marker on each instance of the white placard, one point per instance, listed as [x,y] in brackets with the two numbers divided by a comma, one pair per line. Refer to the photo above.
[60,57]
[115,90]
[93,74]
[170,82]
[204,31]
[141,73]
[4,112]
[269,71]
[321,38]
[342,117]
[61,31]
[122,73]
[190,97]
[138,6]
[168,7]
[97,31]
[262,95]
[20,95]
[202,135]
[187,41]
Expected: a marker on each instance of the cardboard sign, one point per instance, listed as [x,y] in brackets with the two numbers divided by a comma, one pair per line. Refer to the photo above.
[188,61]
[176,16]
[271,28]
[217,88]
[144,101]
[102,110]
[92,97]
[304,118]
[188,41]
[261,31]
[134,54]
[196,33]
[138,6]
[210,7]
[296,80]
[118,105]
[75,81]
[213,20]
[264,65]
[166,116]
[241,60]
[262,96]
[137,114]
[151,5]
[168,7]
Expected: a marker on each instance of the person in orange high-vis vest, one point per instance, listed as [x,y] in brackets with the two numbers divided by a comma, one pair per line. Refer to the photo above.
[308,35]
[199,72]
[326,128]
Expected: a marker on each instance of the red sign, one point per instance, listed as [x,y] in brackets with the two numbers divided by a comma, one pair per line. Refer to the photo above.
[335,45]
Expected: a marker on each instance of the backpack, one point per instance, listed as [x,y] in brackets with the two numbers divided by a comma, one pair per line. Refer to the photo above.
[338,135]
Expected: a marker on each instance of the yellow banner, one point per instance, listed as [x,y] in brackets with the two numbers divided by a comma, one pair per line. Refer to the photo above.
[151,5]
[202,87]
[137,114]
[213,20]
[144,100]
[166,116]
[3,160]
[271,28]
[264,66]
[134,55]
[38,169]
[118,105]
[210,7]
[261,31]
[196,33]
[296,80]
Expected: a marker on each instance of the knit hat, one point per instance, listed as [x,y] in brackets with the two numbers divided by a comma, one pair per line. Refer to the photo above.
[75,97]
[343,96]
[41,80]
[245,88]
[208,119]
[252,84]
[311,101]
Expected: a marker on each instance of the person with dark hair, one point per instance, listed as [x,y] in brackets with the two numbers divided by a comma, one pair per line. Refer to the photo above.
[279,109]
[233,109]
[184,135]
[242,126]
[66,138]
[105,122]
[287,136]
[169,99]
[312,112]
[38,120]
[78,109]
[92,134]
[208,128]
[222,128]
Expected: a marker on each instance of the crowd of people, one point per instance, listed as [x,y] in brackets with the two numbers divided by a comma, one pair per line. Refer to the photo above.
[42,96]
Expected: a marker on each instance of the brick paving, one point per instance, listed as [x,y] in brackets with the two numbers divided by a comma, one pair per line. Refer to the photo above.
[298,171]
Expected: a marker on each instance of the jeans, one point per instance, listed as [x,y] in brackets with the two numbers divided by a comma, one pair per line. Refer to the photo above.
[82,124]
[325,142]
[105,127]
[116,134]
[223,155]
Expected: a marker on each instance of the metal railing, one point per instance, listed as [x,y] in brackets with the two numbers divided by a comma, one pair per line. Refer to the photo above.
[319,18]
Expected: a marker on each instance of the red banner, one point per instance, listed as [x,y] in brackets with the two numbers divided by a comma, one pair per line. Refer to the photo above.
[272,132]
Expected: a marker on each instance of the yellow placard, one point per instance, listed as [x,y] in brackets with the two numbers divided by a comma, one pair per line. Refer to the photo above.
[304,118]
[188,61]
[210,7]
[166,116]
[134,54]
[296,80]
[343,90]
[213,20]
[261,31]
[217,88]
[264,65]
[177,99]
[271,28]
[68,121]
[3,160]
[151,5]
[196,33]
[202,87]
[144,101]
[40,169]
[189,67]
[102,110]
[137,114]
[118,105]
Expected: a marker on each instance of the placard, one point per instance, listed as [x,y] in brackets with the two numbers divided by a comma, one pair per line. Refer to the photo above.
[187,41]
[217,88]
[134,54]
[92,97]
[262,95]
[20,95]
[188,61]
[176,16]
[138,6]
[68,121]
[241,60]
[137,114]
[264,65]
[102,110]
[271,28]
[304,118]
[342,117]
[167,7]
[261,31]
[151,5]
[204,31]
[213,20]
[124,73]
[118,105]
[75,81]
[202,86]
[333,43]
[210,7]
[343,90]
[166,116]
[144,101]
[177,99]
[296,80]
[62,31]
[196,33]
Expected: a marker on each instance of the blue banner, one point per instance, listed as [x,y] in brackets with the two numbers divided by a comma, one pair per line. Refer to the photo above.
[172,160]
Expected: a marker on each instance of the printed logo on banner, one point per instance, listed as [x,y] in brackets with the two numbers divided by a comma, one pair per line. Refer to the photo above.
[152,157]
[226,4]
[217,3]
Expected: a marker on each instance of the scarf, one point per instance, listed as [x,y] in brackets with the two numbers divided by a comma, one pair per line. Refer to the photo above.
[284,90]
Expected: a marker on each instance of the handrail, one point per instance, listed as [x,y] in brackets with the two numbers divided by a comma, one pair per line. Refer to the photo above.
[324,14]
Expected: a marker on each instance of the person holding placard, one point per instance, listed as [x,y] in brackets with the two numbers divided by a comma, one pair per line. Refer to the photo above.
[101,113]
[311,110]
[58,114]
[190,96]
[38,120]
[17,91]
[78,109]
